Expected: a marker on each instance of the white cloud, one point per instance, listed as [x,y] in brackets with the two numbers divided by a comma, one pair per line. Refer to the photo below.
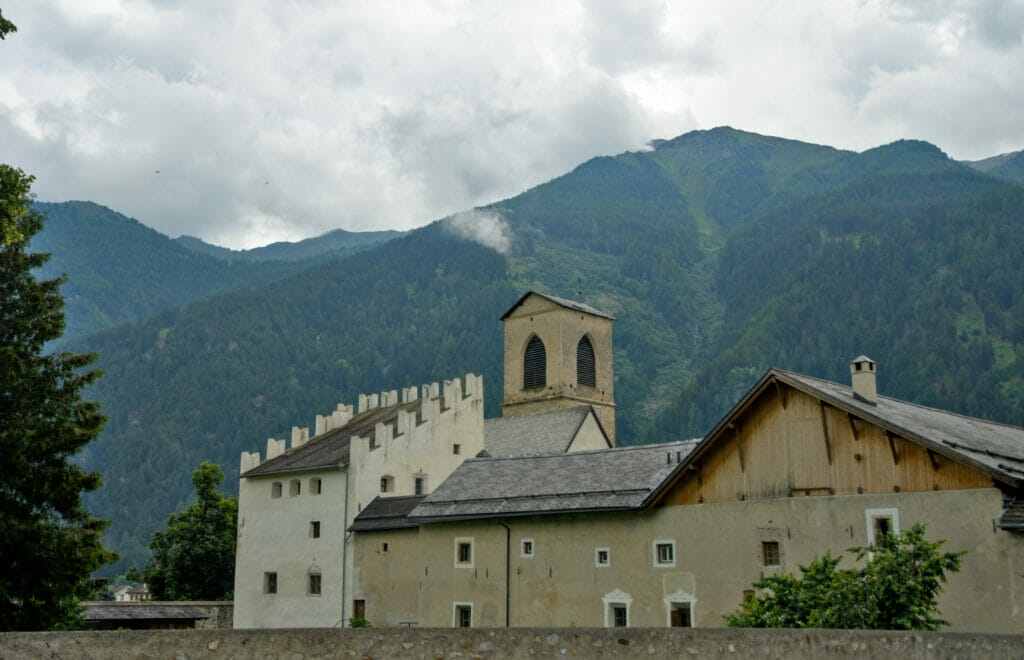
[273,120]
[487,228]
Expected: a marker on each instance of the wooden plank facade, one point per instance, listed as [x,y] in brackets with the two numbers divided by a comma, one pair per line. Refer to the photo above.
[787,443]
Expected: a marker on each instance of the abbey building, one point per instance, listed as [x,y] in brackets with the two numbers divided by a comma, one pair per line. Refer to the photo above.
[416,511]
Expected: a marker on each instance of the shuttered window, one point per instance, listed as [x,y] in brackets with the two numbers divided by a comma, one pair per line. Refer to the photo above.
[535,365]
[585,363]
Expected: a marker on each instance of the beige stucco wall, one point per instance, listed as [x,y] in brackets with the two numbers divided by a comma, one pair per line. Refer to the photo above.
[718,555]
[274,536]
[560,329]
[588,436]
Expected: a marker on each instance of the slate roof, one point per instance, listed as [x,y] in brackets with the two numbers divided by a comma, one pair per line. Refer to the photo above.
[571,304]
[114,611]
[1013,516]
[332,448]
[599,480]
[536,433]
[386,513]
[995,448]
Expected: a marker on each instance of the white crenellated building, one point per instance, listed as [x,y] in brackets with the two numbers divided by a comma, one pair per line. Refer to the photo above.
[293,564]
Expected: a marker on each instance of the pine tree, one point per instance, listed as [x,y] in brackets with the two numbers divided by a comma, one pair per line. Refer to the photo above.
[49,543]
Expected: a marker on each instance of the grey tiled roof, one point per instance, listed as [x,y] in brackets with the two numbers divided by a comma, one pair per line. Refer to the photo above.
[146,610]
[386,513]
[537,433]
[332,448]
[571,304]
[996,448]
[1013,516]
[600,480]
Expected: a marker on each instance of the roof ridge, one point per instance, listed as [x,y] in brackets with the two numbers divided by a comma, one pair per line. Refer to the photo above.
[907,403]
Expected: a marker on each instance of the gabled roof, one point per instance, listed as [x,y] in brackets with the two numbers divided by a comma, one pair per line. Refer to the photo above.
[386,513]
[113,611]
[332,448]
[997,449]
[571,304]
[536,433]
[600,480]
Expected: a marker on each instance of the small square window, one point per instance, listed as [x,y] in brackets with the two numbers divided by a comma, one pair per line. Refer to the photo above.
[275,489]
[526,548]
[464,553]
[270,583]
[881,522]
[665,553]
[770,553]
[314,529]
[456,449]
[314,584]
[384,546]
[387,484]
[602,557]
[315,486]
[294,487]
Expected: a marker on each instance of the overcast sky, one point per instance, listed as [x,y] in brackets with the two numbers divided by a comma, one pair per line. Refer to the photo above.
[249,122]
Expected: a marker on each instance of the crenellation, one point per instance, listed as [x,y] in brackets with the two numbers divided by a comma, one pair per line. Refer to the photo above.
[275,448]
[410,394]
[300,436]
[341,416]
[405,422]
[321,425]
[249,461]
[452,393]
[430,408]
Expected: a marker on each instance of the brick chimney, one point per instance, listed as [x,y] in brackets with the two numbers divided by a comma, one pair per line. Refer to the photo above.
[862,379]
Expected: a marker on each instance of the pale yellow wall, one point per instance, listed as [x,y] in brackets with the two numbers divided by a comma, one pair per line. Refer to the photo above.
[560,329]
[273,535]
[718,556]
[392,594]
[589,436]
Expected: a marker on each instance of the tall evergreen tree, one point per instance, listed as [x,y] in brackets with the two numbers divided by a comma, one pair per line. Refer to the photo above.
[49,543]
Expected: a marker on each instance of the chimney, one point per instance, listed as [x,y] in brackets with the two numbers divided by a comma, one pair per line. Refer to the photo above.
[862,379]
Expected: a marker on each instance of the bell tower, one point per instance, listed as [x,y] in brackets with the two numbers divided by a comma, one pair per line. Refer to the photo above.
[558,354]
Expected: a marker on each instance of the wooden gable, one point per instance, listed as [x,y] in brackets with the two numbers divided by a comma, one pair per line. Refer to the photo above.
[788,443]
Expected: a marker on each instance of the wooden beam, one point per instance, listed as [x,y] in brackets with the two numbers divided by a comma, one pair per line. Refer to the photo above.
[696,468]
[931,457]
[739,448]
[781,393]
[824,430]
[892,447]
[853,425]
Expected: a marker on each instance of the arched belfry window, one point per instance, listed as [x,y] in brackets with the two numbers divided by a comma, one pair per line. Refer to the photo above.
[585,363]
[535,364]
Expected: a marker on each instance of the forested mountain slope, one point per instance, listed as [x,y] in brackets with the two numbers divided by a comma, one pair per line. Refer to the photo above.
[720,253]
[120,270]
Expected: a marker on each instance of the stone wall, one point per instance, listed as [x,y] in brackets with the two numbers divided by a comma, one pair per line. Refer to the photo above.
[507,643]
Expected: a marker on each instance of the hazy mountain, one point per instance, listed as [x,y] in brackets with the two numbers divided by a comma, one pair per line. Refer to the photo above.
[1008,166]
[333,244]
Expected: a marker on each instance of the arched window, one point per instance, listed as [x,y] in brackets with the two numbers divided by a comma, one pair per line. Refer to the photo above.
[535,364]
[585,363]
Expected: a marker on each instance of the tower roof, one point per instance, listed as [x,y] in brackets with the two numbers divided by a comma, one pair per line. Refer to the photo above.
[568,304]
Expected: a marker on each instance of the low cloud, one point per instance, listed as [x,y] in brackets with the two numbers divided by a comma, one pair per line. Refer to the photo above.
[484,227]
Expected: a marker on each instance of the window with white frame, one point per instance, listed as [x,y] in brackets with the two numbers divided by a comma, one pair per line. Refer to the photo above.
[664,553]
[616,609]
[387,484]
[314,584]
[526,548]
[463,552]
[602,557]
[462,615]
[881,522]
